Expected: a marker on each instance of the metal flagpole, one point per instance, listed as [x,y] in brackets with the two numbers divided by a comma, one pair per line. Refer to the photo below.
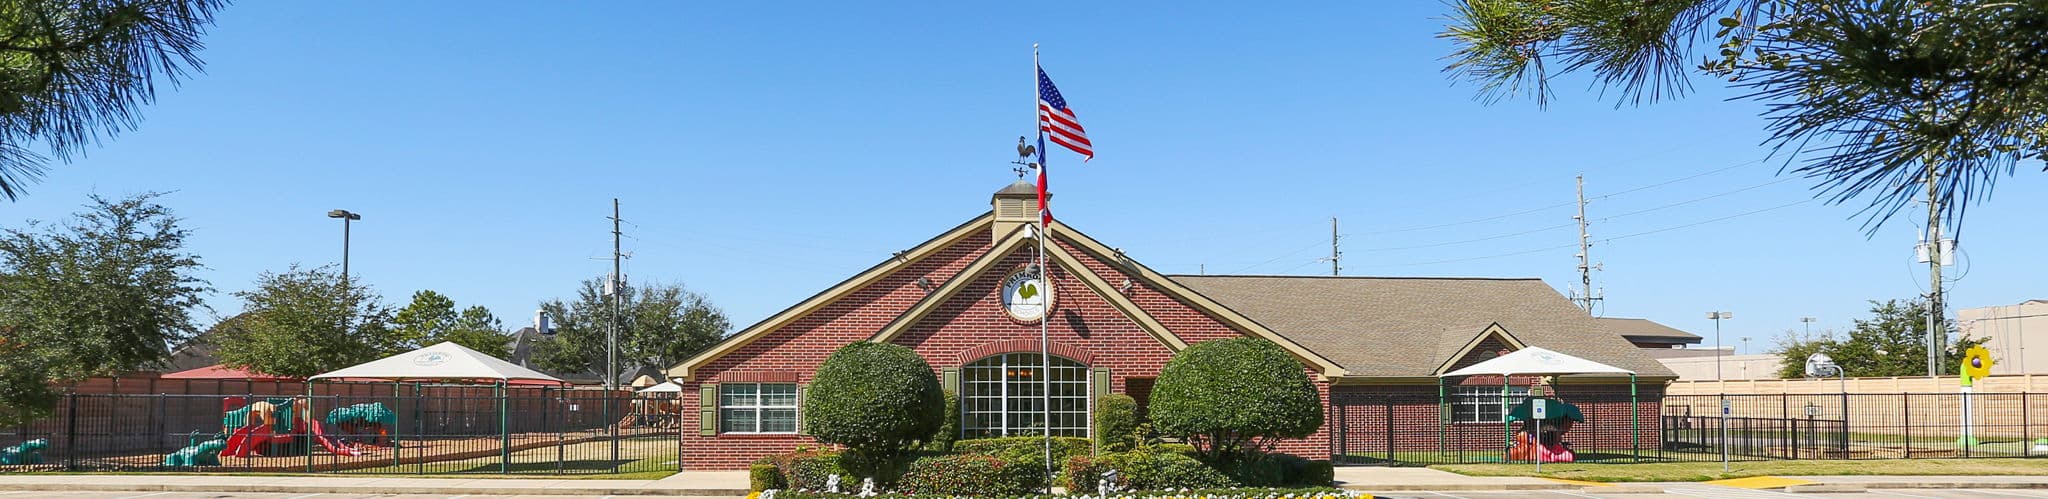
[1044,278]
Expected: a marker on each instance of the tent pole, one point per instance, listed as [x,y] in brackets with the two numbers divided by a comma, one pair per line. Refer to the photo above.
[1635,418]
[504,434]
[1507,429]
[394,427]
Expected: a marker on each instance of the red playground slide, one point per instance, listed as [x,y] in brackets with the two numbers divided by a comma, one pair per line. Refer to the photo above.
[320,435]
[242,442]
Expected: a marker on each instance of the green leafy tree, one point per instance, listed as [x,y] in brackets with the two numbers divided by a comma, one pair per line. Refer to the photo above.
[304,322]
[659,326]
[428,318]
[1234,398]
[107,291]
[431,318]
[877,399]
[1870,99]
[1892,342]
[477,329]
[75,72]
[670,324]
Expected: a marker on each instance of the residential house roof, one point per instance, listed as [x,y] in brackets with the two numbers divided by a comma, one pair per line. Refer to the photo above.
[1647,330]
[1409,326]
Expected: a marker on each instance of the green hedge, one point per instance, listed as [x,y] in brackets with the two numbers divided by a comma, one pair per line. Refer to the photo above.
[1116,422]
[969,474]
[808,470]
[1025,449]
[949,430]
[1279,470]
[765,476]
[1143,469]
[877,399]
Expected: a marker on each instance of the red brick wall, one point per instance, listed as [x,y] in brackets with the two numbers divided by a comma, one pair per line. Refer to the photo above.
[966,327]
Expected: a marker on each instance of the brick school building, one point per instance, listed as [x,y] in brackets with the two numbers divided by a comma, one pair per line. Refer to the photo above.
[970,302]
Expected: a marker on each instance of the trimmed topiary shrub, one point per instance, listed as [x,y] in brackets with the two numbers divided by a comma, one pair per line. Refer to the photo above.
[765,476]
[876,399]
[949,430]
[968,475]
[1234,397]
[1116,422]
[1021,449]
[1317,473]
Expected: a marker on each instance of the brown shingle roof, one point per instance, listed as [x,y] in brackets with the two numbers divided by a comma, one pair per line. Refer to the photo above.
[1378,326]
[1646,328]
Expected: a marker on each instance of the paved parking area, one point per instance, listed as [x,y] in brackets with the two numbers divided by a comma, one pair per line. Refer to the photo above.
[1709,492]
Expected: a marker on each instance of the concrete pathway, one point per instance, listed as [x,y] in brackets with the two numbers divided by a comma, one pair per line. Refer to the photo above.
[1383,479]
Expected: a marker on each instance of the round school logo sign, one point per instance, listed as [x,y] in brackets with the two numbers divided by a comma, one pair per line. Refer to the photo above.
[430,359]
[1025,295]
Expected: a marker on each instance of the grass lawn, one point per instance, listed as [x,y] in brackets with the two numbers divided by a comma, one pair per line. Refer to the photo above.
[1694,472]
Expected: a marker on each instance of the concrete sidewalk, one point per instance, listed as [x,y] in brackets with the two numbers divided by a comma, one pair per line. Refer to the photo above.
[694,484]
[1380,479]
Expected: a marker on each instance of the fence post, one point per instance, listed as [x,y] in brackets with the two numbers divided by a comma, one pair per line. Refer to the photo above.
[1390,432]
[2026,427]
[1907,418]
[71,432]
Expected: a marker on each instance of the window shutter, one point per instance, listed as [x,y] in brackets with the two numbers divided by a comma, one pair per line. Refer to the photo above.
[803,392]
[949,379]
[707,409]
[1101,385]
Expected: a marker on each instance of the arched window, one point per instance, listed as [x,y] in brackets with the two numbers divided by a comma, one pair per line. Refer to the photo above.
[1004,396]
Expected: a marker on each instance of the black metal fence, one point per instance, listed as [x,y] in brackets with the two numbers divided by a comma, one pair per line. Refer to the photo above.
[1419,430]
[404,429]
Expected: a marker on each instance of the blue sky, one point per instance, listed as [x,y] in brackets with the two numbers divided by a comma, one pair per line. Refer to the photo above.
[763,151]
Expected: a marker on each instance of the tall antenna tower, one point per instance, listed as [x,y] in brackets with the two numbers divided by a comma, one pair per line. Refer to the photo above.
[1585,295]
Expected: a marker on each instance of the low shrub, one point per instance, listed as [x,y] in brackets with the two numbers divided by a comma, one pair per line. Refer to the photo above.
[968,474]
[1025,449]
[1279,470]
[1116,422]
[809,470]
[1147,468]
[765,476]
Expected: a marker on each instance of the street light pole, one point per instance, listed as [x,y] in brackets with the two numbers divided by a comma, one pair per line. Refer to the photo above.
[1809,328]
[346,217]
[1718,346]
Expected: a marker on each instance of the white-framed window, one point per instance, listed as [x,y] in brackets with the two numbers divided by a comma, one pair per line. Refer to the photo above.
[757,408]
[1482,404]
[1004,395]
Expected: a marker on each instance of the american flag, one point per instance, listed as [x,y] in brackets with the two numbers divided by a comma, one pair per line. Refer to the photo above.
[1055,119]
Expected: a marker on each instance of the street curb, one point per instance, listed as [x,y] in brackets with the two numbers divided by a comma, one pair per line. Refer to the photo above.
[1625,489]
[1459,487]
[366,489]
[1826,488]
[1953,485]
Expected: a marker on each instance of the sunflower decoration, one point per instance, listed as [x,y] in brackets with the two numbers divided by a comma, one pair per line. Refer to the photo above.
[1976,364]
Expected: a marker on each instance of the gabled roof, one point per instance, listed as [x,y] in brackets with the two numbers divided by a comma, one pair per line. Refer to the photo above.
[1001,246]
[1398,326]
[445,360]
[1647,329]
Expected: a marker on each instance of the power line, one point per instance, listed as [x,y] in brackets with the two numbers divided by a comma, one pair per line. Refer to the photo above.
[1695,200]
[1616,238]
[1565,204]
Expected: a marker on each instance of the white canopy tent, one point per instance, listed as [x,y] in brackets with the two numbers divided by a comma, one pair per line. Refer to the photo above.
[1538,361]
[664,387]
[445,360]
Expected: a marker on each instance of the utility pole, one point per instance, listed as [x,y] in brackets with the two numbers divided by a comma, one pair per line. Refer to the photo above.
[617,287]
[1936,335]
[1584,295]
[1335,254]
